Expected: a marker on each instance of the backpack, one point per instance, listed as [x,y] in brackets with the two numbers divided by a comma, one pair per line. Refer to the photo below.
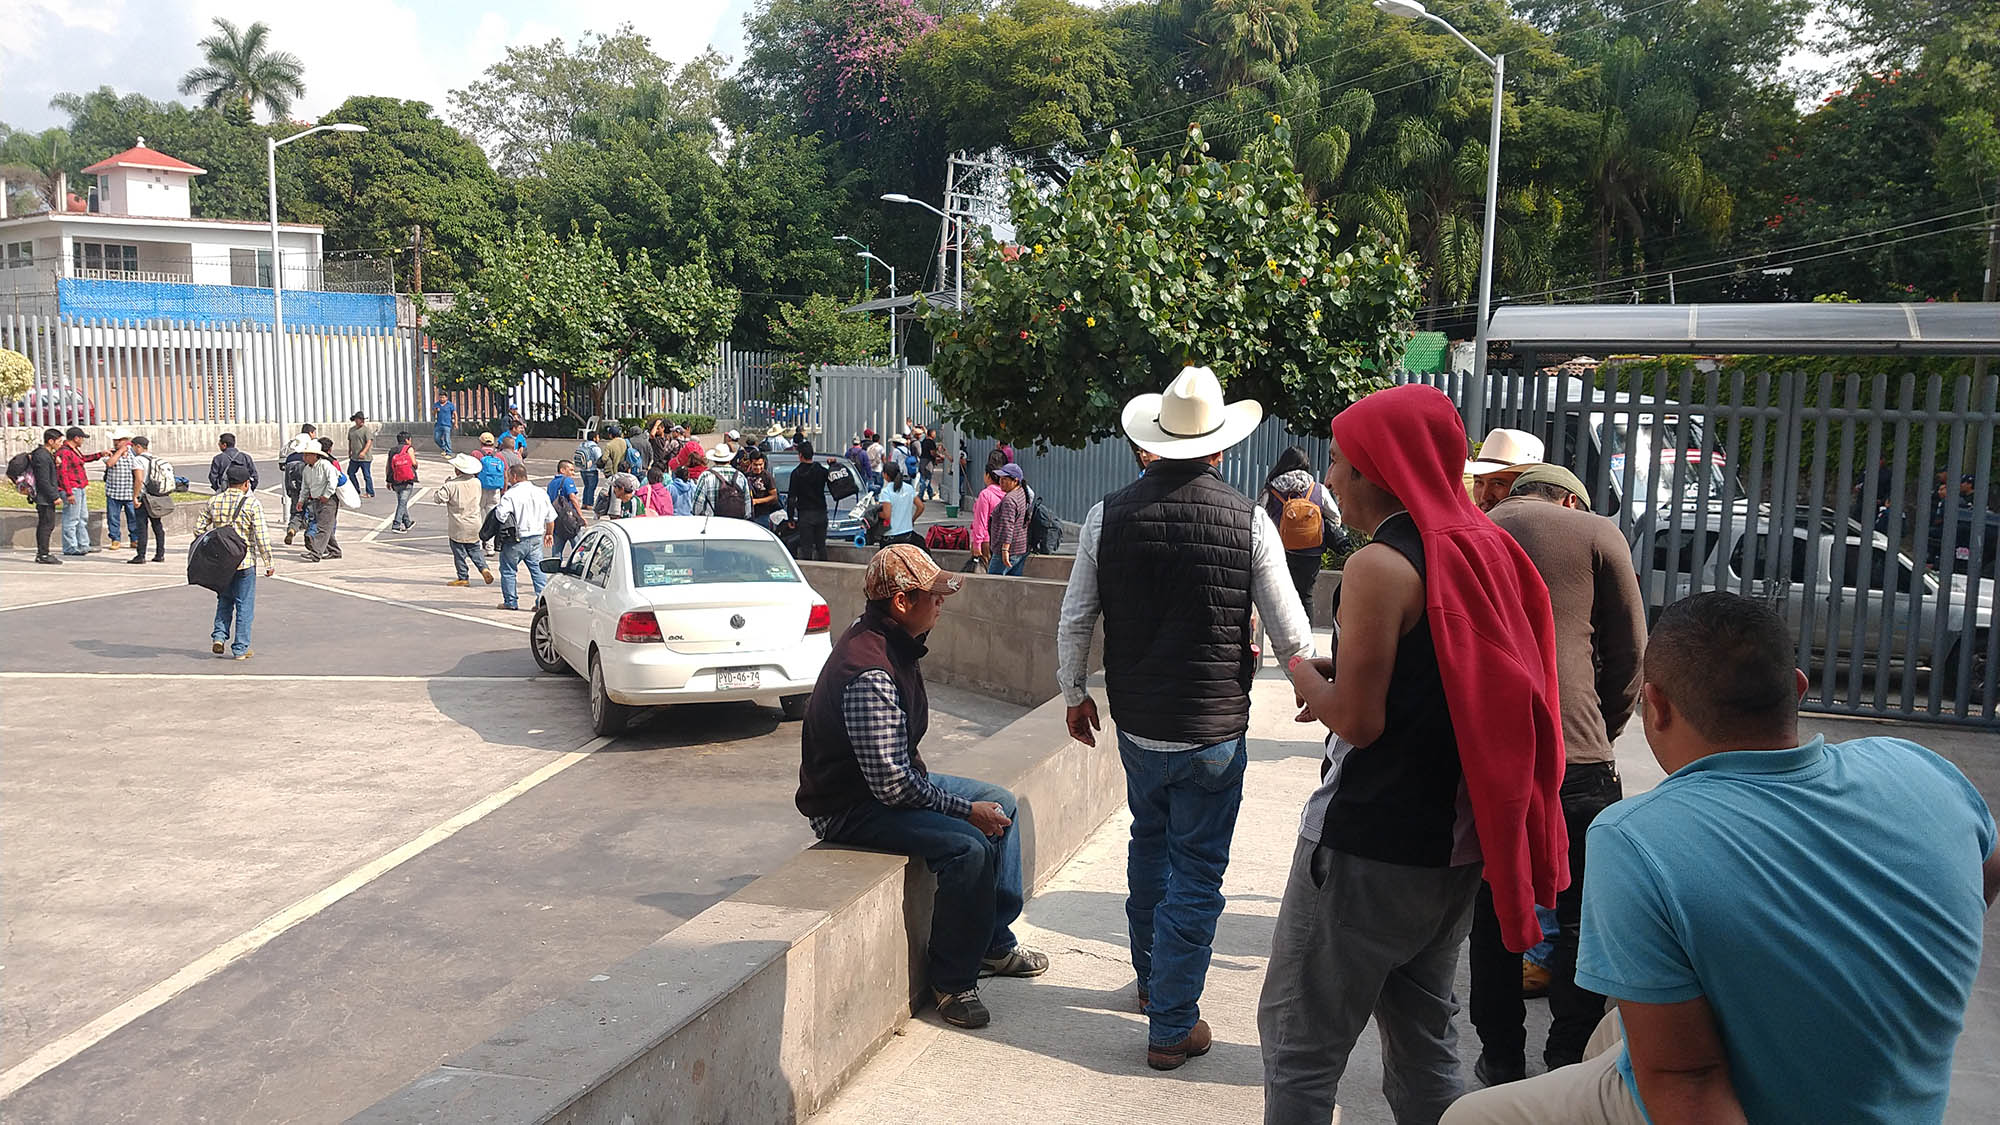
[492,473]
[947,538]
[633,464]
[403,466]
[840,481]
[216,554]
[1302,527]
[586,455]
[729,498]
[159,476]
[1044,529]
[21,470]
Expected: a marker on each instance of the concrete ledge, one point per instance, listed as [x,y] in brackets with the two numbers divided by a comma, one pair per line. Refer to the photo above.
[180,441]
[764,1005]
[17,525]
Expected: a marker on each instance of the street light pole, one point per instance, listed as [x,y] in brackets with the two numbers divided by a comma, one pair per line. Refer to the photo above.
[953,230]
[868,257]
[867,284]
[1475,388]
[271,147]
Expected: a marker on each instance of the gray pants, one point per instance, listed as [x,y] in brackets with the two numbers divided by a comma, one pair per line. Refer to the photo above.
[326,517]
[1357,937]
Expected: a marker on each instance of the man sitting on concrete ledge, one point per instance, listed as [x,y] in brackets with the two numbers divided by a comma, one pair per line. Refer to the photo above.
[862,781]
[1791,931]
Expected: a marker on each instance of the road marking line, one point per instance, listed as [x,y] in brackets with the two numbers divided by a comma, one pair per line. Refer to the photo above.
[256,937]
[404,605]
[379,529]
[280,676]
[88,597]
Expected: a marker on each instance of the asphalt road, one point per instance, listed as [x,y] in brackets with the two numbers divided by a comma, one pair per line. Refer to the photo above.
[277,890]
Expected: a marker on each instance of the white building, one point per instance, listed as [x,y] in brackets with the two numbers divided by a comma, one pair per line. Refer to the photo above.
[138,229]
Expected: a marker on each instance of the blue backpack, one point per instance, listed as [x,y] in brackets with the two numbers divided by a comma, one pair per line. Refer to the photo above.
[633,464]
[492,473]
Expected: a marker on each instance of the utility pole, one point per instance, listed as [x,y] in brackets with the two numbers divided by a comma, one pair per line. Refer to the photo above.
[1992,287]
[417,308]
[945,239]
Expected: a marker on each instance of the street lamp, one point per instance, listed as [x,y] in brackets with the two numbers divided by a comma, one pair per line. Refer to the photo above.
[1475,391]
[951,224]
[865,283]
[271,147]
[865,256]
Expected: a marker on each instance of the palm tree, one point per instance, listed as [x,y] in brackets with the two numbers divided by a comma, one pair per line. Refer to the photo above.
[36,161]
[241,68]
[1248,40]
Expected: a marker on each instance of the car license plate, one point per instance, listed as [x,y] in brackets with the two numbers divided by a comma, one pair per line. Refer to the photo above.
[736,681]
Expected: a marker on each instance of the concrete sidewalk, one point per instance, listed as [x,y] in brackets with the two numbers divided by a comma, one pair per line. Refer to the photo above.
[1070,1046]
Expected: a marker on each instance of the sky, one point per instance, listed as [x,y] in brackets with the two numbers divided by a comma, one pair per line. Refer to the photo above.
[396,48]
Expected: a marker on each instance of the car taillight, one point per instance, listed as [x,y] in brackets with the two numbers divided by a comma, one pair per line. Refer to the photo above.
[639,626]
[820,620]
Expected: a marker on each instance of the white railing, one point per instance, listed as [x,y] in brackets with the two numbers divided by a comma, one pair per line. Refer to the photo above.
[168,276]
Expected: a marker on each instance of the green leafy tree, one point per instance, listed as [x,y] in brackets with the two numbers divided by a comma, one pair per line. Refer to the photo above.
[1138,267]
[17,374]
[815,332]
[37,160]
[103,123]
[241,68]
[409,170]
[571,310]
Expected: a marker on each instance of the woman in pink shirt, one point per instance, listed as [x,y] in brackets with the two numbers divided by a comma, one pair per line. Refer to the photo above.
[659,501]
[982,510]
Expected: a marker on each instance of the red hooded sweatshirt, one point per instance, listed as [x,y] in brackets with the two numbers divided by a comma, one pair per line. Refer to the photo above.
[1489,617]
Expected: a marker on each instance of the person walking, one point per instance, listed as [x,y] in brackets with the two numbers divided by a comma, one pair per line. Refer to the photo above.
[465,509]
[722,491]
[527,530]
[1307,519]
[237,506]
[74,480]
[319,491]
[563,497]
[878,457]
[119,510]
[1600,621]
[402,475]
[1007,527]
[218,466]
[444,414]
[980,531]
[807,503]
[585,458]
[1445,752]
[933,459]
[1791,927]
[901,506]
[862,781]
[152,484]
[49,496]
[361,454]
[297,517]
[492,475]
[1174,564]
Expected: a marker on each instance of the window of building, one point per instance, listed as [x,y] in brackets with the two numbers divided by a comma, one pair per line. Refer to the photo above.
[18,255]
[105,256]
[250,267]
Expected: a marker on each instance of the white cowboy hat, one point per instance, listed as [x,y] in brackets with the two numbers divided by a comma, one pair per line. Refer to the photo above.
[721,455]
[122,434]
[1190,421]
[1504,450]
[465,463]
[304,443]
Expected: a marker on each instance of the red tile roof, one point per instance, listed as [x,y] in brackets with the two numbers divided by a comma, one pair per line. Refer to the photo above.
[139,156]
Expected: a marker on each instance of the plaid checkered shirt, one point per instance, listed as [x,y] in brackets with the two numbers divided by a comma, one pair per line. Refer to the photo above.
[879,733]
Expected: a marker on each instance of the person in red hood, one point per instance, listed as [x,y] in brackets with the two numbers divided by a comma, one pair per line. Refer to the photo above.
[1446,752]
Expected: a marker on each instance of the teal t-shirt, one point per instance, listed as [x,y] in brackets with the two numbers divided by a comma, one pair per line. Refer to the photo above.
[1828,902]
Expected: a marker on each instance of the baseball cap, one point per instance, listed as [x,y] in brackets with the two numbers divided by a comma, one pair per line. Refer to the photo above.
[904,568]
[1008,471]
[1556,475]
[236,473]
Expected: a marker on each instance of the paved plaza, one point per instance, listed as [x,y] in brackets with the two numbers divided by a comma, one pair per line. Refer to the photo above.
[279,890]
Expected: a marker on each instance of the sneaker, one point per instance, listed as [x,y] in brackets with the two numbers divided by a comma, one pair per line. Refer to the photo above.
[1016,962]
[308,557]
[1171,1056]
[486,574]
[963,1009]
[245,654]
[458,582]
[48,560]
[1492,1072]
[116,545]
[136,560]
[215,647]
[504,605]
[288,536]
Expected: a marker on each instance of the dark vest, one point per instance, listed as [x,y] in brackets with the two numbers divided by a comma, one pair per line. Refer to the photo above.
[1173,576]
[830,779]
[1397,800]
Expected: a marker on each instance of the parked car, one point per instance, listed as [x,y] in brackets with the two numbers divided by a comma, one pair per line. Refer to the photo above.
[841,524]
[680,609]
[60,405]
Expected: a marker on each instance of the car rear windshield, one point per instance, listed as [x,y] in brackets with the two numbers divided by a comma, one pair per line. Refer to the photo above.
[708,561]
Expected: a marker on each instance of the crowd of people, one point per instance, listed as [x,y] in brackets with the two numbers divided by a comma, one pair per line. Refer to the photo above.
[1783,930]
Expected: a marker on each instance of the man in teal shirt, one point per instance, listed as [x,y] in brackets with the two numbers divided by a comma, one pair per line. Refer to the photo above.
[1790,931]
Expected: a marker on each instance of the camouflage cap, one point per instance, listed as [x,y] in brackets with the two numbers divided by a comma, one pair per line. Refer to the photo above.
[904,568]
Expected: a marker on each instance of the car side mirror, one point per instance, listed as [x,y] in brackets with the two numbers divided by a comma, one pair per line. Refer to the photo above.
[552,566]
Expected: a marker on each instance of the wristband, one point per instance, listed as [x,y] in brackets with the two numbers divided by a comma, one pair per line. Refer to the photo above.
[1293,666]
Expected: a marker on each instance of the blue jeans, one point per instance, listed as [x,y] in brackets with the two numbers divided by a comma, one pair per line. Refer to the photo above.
[1019,564]
[514,554]
[240,603]
[76,523]
[402,504]
[589,487]
[442,436]
[1184,807]
[978,878]
[117,514]
[363,472]
[467,557]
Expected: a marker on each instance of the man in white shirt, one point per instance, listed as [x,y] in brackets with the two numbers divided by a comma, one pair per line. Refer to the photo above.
[528,523]
[1175,562]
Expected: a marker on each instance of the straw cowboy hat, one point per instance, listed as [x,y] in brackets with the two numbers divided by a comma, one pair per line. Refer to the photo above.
[1190,421]
[304,443]
[122,434]
[465,463]
[1504,450]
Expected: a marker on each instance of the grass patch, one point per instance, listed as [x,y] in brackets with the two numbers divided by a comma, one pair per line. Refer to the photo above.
[10,497]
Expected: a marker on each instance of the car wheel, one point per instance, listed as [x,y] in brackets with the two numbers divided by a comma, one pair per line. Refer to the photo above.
[542,643]
[606,717]
[795,705]
[1976,682]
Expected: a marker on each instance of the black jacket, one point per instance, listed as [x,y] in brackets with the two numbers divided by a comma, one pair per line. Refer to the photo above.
[830,777]
[218,469]
[43,464]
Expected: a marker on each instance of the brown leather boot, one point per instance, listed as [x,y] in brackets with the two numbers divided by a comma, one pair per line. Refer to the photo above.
[1172,1056]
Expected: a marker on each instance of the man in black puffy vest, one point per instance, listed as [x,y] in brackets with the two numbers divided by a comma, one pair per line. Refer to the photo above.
[1174,563]
[862,781]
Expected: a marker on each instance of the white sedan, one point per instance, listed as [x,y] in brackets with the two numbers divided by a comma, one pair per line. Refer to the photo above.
[680,609]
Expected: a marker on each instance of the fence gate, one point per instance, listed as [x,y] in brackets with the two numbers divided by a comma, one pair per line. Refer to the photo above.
[852,399]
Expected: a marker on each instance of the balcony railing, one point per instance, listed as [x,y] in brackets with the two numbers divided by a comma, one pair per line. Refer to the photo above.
[133,275]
